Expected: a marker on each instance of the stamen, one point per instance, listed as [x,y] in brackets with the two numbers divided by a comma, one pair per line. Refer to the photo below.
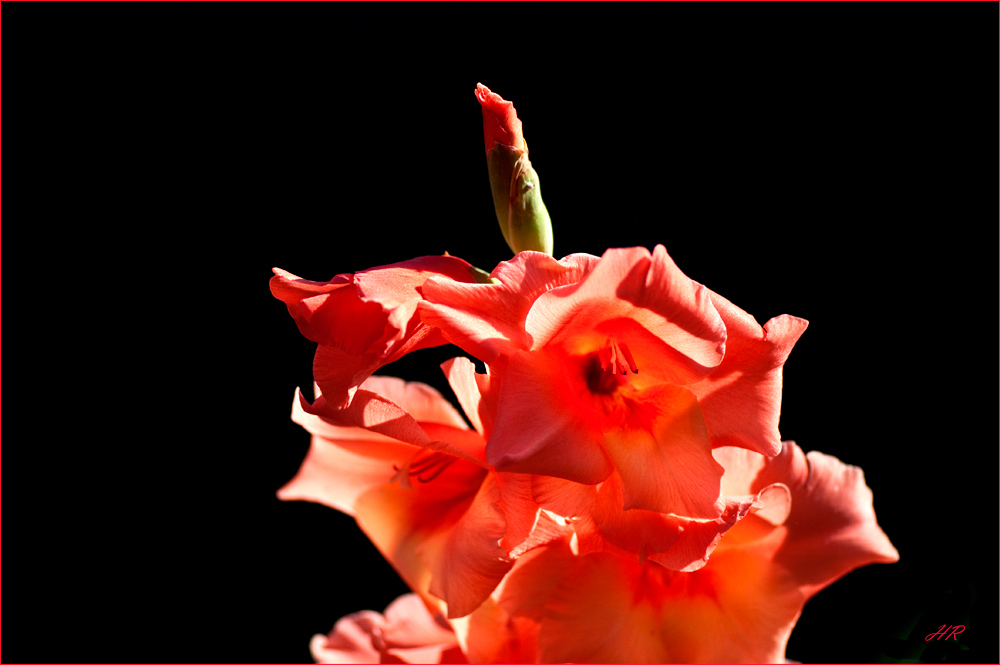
[435,464]
[616,357]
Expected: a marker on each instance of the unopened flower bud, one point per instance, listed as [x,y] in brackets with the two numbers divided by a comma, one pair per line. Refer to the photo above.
[517,197]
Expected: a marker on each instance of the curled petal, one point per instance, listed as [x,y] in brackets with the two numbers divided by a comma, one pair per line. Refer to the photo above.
[487,320]
[686,335]
[407,633]
[474,393]
[342,464]
[364,321]
[832,529]
[350,641]
[741,399]
[319,307]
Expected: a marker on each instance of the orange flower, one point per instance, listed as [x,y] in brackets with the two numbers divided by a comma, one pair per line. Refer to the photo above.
[365,320]
[619,376]
[403,462]
[814,524]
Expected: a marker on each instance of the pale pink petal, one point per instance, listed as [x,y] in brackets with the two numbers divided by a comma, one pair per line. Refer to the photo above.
[664,457]
[413,635]
[741,469]
[685,333]
[542,427]
[407,633]
[336,474]
[487,320]
[350,641]
[741,400]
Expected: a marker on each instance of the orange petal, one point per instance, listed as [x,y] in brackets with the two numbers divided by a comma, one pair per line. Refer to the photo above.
[631,288]
[665,458]
[741,399]
[466,560]
[487,320]
[544,426]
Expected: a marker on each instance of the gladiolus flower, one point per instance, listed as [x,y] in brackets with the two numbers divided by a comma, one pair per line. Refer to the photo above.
[407,633]
[404,464]
[517,197]
[366,320]
[814,523]
[614,374]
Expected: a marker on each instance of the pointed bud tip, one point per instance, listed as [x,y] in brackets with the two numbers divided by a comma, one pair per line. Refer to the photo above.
[500,122]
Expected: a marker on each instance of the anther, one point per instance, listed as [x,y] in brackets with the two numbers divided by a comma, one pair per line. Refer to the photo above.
[435,464]
[616,357]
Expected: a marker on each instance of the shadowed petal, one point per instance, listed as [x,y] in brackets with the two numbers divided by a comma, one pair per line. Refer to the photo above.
[466,561]
[544,426]
[832,529]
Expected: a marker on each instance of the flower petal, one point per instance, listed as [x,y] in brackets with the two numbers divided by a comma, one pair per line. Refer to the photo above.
[395,287]
[686,336]
[741,400]
[342,463]
[319,307]
[350,641]
[664,456]
[609,609]
[832,529]
[487,320]
[543,426]
[468,388]
[466,560]
[407,633]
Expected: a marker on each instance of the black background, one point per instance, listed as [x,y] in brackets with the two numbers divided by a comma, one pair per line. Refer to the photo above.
[831,161]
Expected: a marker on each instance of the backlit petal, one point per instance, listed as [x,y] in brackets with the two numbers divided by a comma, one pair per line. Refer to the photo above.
[487,320]
[544,425]
[741,400]
[664,457]
[685,333]
[832,529]
[466,560]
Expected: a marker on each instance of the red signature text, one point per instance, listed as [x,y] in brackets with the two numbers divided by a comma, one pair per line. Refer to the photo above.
[943,631]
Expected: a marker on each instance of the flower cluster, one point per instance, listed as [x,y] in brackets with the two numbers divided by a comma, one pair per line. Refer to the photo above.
[617,489]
